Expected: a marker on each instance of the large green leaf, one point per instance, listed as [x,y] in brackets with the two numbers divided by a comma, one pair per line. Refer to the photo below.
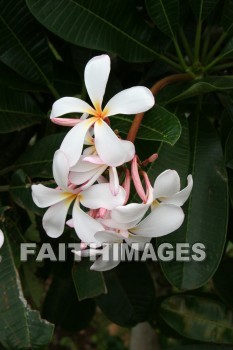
[20,190]
[199,318]
[36,161]
[110,26]
[20,327]
[61,305]
[229,150]
[88,283]
[227,16]
[207,209]
[17,111]
[130,296]
[195,88]
[165,14]
[202,8]
[158,125]
[23,45]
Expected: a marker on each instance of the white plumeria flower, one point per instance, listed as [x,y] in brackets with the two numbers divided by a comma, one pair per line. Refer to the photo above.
[167,189]
[110,148]
[59,200]
[1,238]
[126,223]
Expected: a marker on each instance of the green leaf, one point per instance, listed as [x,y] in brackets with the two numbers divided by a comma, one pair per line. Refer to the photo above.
[61,305]
[203,86]
[20,190]
[33,287]
[228,49]
[12,80]
[109,26]
[223,281]
[88,283]
[198,318]
[17,111]
[158,125]
[23,45]
[206,212]
[229,150]
[227,15]
[165,14]
[130,296]
[36,161]
[20,327]
[202,8]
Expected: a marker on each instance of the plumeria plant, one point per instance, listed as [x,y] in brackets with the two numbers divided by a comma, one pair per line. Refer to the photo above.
[116,174]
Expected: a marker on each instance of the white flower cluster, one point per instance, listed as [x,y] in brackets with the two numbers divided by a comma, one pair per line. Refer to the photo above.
[86,169]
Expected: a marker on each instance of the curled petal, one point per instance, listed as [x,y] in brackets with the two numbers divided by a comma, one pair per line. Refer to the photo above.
[84,225]
[106,261]
[141,241]
[96,76]
[164,219]
[65,121]
[95,177]
[72,144]
[129,213]
[166,184]
[129,150]
[181,197]
[91,176]
[1,238]
[55,217]
[109,147]
[61,169]
[108,237]
[100,196]
[130,101]
[44,196]
[70,105]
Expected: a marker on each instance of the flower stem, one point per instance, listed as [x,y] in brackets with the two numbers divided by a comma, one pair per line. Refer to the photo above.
[4,188]
[155,89]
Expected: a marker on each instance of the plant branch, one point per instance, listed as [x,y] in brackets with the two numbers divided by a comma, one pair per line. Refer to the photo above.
[186,44]
[216,46]
[4,188]
[197,41]
[155,89]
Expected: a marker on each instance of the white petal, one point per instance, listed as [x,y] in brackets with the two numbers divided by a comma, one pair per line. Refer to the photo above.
[82,177]
[89,150]
[108,237]
[100,196]
[55,217]
[129,150]
[44,196]
[86,252]
[130,212]
[101,264]
[83,166]
[113,180]
[164,219]
[1,238]
[166,184]
[84,225]
[181,197]
[70,105]
[109,147]
[61,169]
[95,177]
[130,101]
[96,76]
[141,241]
[72,144]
